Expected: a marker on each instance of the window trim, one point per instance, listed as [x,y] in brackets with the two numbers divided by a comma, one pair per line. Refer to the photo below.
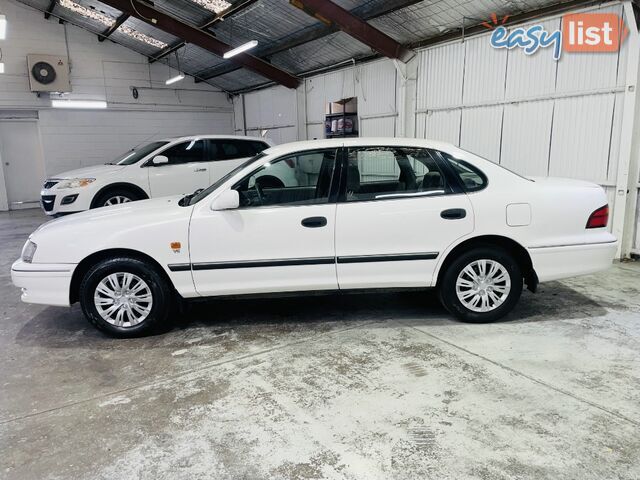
[450,177]
[239,140]
[331,199]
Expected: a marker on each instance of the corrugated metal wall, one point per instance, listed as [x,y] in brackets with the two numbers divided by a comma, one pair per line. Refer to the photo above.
[273,110]
[530,113]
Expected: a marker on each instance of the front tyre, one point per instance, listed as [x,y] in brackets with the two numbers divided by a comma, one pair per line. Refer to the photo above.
[112,197]
[125,297]
[481,285]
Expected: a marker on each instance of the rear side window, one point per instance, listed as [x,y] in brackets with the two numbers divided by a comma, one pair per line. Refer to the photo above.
[470,177]
[378,173]
[231,149]
[258,146]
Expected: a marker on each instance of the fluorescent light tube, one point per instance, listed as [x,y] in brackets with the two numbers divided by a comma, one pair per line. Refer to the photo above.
[1,67]
[242,48]
[175,79]
[3,27]
[78,104]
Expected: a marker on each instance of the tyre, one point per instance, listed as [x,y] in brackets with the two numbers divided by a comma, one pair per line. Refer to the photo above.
[125,297]
[114,197]
[481,285]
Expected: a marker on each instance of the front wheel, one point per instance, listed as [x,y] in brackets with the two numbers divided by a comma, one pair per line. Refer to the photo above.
[125,297]
[481,285]
[114,197]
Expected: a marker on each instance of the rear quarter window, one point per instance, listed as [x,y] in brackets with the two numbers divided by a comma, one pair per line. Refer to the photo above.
[471,178]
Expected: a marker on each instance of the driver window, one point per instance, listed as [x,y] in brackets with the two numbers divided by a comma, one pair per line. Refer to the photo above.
[302,179]
[187,152]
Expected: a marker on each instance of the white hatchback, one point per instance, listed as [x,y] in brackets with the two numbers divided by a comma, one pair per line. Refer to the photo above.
[325,215]
[170,166]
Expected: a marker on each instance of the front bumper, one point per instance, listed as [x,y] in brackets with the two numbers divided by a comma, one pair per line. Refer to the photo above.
[43,283]
[51,200]
[554,263]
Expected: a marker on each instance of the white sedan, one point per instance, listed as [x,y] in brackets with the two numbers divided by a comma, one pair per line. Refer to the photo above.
[171,166]
[325,215]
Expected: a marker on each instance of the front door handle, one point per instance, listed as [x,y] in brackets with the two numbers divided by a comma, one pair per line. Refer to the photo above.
[314,222]
[453,213]
[200,170]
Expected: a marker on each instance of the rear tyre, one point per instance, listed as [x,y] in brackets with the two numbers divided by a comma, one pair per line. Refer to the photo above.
[481,285]
[125,297]
[114,197]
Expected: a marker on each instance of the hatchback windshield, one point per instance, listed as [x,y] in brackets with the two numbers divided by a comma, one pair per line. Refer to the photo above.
[136,154]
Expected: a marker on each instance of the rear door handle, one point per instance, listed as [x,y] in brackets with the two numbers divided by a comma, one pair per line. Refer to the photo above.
[453,213]
[314,222]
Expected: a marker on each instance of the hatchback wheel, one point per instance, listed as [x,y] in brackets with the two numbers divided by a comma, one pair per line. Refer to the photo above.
[482,285]
[125,297]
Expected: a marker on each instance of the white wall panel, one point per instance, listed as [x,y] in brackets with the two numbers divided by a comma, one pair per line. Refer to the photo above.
[526,133]
[440,76]
[273,107]
[484,71]
[377,92]
[277,135]
[443,125]
[480,131]
[580,71]
[378,127]
[581,135]
[531,75]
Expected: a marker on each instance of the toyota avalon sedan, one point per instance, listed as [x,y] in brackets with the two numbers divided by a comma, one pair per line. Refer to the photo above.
[329,215]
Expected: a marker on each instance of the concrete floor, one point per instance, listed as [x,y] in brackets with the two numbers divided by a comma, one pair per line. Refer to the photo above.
[356,387]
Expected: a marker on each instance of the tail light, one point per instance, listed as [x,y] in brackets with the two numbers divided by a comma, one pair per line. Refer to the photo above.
[599,218]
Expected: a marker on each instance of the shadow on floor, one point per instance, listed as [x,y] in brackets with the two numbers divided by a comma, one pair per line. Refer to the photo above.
[67,328]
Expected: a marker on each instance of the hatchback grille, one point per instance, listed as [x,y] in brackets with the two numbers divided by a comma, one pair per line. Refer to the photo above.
[50,183]
[48,201]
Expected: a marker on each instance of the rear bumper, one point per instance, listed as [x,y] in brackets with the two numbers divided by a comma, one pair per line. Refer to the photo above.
[553,263]
[43,283]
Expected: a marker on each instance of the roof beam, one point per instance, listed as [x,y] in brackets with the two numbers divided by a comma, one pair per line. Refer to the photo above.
[49,10]
[310,34]
[232,10]
[326,10]
[201,38]
[119,21]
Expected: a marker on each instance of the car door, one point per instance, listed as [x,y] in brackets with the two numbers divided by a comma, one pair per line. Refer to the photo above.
[227,154]
[398,212]
[282,236]
[186,171]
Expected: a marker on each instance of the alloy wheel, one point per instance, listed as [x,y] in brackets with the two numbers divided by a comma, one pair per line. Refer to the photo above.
[116,200]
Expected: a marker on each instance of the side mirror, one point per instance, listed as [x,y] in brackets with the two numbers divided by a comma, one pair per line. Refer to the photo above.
[227,200]
[159,160]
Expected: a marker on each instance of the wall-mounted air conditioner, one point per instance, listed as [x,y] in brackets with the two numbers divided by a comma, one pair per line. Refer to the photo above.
[48,73]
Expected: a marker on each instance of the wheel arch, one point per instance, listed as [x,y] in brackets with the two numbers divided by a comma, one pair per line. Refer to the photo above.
[85,265]
[139,191]
[514,248]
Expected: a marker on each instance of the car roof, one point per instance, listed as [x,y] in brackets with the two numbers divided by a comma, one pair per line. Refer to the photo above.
[220,137]
[359,142]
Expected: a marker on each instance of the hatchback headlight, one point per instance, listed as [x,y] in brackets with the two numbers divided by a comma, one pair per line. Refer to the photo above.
[28,251]
[75,182]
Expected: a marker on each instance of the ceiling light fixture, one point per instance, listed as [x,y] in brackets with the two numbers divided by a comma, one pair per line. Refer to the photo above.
[83,104]
[242,48]
[3,27]
[175,79]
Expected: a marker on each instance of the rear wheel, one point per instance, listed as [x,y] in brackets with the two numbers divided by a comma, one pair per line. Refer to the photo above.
[114,197]
[482,285]
[125,297]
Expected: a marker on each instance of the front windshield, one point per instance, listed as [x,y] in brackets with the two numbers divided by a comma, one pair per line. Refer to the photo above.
[136,154]
[199,196]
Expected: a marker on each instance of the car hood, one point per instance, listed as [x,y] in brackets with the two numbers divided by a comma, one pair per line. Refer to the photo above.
[90,172]
[133,213]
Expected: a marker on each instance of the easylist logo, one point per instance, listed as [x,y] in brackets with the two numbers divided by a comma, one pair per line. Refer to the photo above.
[581,32]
